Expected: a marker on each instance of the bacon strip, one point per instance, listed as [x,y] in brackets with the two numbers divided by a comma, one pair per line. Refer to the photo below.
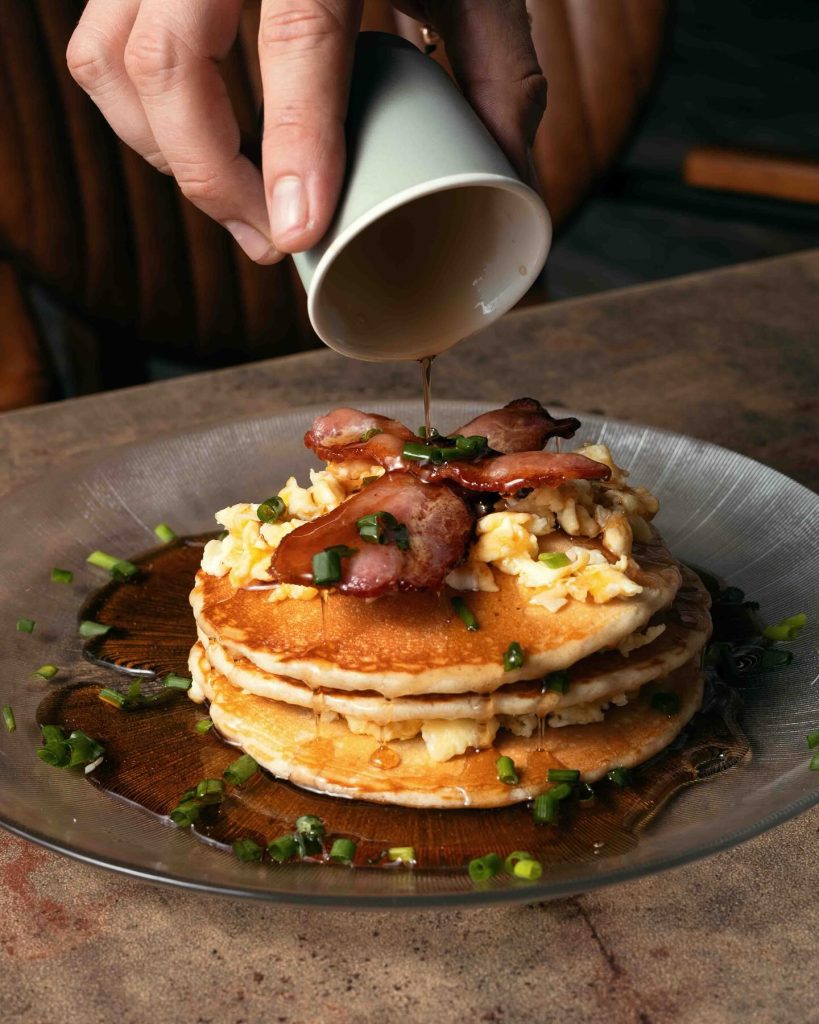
[509,473]
[337,437]
[438,522]
[521,426]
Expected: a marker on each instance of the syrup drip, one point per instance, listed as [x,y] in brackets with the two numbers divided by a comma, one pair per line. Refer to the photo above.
[426,383]
[385,757]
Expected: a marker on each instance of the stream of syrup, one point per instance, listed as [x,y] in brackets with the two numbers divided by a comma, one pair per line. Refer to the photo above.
[154,754]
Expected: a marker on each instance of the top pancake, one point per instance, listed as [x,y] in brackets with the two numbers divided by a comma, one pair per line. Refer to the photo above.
[412,643]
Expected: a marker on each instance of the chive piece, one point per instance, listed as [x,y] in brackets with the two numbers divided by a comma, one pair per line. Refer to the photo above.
[26,625]
[775,657]
[282,849]
[529,870]
[795,621]
[310,825]
[370,433]
[554,559]
[84,750]
[272,510]
[327,564]
[47,671]
[112,697]
[585,794]
[89,628]
[505,767]
[667,703]
[119,568]
[544,809]
[514,858]
[210,791]
[365,481]
[461,609]
[563,775]
[620,777]
[242,769]
[482,868]
[814,762]
[780,633]
[247,850]
[55,750]
[557,681]
[812,739]
[343,851]
[513,657]
[8,718]
[308,845]
[404,854]
[560,791]
[204,726]
[185,813]
[164,533]
[172,681]
[413,450]
[62,576]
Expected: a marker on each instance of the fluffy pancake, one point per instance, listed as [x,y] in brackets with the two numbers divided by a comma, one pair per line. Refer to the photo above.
[331,759]
[411,643]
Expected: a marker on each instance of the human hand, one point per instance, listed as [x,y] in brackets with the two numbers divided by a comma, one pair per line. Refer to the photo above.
[151,66]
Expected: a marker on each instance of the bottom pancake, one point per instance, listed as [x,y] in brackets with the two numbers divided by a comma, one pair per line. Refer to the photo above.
[329,758]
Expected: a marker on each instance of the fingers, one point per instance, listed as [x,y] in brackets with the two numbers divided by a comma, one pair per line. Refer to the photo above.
[490,48]
[306,50]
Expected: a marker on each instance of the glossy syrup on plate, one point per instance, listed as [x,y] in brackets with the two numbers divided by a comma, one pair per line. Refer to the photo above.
[154,754]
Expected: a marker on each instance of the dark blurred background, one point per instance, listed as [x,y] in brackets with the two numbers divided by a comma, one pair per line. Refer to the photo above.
[679,137]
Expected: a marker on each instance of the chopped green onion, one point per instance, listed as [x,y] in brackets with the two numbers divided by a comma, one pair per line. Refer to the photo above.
[383,528]
[667,703]
[514,858]
[112,697]
[774,657]
[271,510]
[120,568]
[343,850]
[513,657]
[780,633]
[620,777]
[204,726]
[370,433]
[185,813]
[796,621]
[75,751]
[529,870]
[327,564]
[814,762]
[554,559]
[544,809]
[247,850]
[433,432]
[8,718]
[459,606]
[132,699]
[26,625]
[242,769]
[413,450]
[84,750]
[560,791]
[563,775]
[557,681]
[174,682]
[405,854]
[367,480]
[585,793]
[505,767]
[210,791]
[310,825]
[482,868]
[89,628]
[282,849]
[812,739]
[308,845]
[164,533]
[47,671]
[62,576]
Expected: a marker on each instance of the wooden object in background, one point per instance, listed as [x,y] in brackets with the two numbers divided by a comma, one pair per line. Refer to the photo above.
[758,174]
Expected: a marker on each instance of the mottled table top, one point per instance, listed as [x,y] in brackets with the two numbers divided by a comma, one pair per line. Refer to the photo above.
[730,356]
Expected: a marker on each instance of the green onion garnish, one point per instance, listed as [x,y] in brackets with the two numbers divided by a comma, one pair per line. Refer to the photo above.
[812,739]
[775,657]
[132,699]
[62,576]
[461,609]
[310,825]
[484,867]
[585,793]
[667,703]
[514,858]
[343,850]
[620,777]
[271,510]
[247,850]
[76,751]
[529,870]
[26,625]
[47,671]
[544,809]
[513,657]
[383,528]
[210,791]
[560,791]
[554,559]
[120,568]
[8,718]
[563,775]
[796,621]
[405,854]
[557,681]
[84,750]
[505,767]
[242,769]
[174,682]
[185,813]
[112,697]
[814,762]
[89,628]
[203,726]
[370,433]
[282,849]
[327,564]
[446,448]
[164,533]
[779,633]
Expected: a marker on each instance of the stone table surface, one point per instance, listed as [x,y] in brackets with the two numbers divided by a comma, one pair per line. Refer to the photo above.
[728,356]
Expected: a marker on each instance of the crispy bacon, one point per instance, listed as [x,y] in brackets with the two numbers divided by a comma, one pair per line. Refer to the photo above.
[521,426]
[340,437]
[506,474]
[439,524]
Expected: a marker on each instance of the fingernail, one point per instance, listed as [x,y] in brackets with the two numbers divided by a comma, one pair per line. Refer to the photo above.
[253,242]
[288,206]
